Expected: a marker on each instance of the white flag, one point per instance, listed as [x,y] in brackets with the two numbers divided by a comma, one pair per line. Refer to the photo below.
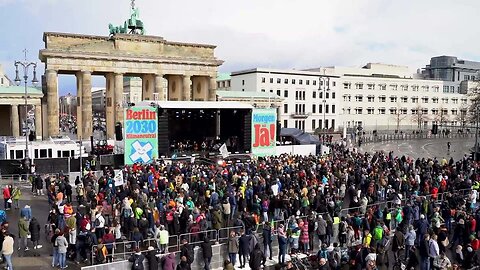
[223,150]
[119,179]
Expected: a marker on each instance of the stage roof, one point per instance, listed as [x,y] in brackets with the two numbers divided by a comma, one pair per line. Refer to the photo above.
[197,104]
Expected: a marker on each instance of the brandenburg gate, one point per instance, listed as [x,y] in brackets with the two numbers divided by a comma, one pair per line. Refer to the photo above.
[190,70]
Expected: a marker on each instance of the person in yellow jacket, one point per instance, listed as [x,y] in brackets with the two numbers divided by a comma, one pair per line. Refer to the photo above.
[367,239]
[16,195]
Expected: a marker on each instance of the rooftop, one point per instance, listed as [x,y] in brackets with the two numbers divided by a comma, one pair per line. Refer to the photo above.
[20,90]
[247,94]
[223,76]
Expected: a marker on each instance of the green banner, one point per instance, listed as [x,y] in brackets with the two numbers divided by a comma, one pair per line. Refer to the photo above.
[264,132]
[140,135]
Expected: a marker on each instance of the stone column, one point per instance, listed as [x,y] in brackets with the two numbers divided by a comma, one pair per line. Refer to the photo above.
[187,91]
[212,90]
[159,87]
[148,85]
[119,98]
[14,121]
[87,117]
[38,121]
[52,102]
[79,77]
[110,105]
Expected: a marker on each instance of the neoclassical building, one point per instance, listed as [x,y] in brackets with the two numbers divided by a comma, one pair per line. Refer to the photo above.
[189,69]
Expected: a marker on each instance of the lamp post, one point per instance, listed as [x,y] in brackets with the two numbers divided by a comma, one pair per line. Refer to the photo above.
[25,65]
[324,84]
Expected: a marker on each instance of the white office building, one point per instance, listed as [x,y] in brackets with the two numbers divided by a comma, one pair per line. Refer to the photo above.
[374,97]
[310,99]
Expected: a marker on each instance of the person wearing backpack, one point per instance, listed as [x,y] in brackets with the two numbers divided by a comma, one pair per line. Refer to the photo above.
[137,259]
[342,232]
[101,254]
[334,257]
[378,235]
[187,251]
[99,225]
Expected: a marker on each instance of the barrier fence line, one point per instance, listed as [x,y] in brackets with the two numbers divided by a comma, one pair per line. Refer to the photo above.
[222,234]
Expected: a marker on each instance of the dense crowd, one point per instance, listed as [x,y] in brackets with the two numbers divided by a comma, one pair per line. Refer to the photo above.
[336,204]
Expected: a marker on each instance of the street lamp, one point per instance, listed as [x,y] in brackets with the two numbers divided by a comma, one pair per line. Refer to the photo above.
[25,64]
[324,84]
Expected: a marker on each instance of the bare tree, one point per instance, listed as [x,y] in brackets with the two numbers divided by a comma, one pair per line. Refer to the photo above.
[418,117]
[398,116]
[463,117]
[442,116]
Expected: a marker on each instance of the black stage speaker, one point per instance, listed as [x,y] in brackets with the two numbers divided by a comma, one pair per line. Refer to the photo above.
[163,136]
[247,131]
[118,132]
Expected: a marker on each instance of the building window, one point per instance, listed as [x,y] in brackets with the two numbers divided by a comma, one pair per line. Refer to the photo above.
[452,89]
[371,86]
[271,80]
[320,123]
[314,82]
[464,101]
[346,85]
[320,108]
[382,98]
[308,82]
[393,110]
[455,100]
[359,86]
[285,93]
[314,94]
[381,111]
[425,99]
[414,99]
[466,77]
[404,87]
[371,98]
[358,110]
[370,110]
[293,81]
[434,111]
[43,153]
[327,108]
[415,88]
[1,81]
[444,111]
[285,108]
[404,99]
[445,89]
[414,111]
[435,89]
[394,87]
[286,81]
[333,95]
[393,99]
[435,100]
[425,88]
[314,108]
[279,92]
[403,111]
[279,80]
[326,123]
[243,82]
[263,79]
[327,95]
[285,123]
[382,86]
[454,111]
[359,98]
[263,90]
[334,84]
[313,124]
[300,81]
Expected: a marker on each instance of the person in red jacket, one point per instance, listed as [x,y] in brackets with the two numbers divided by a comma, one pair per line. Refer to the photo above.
[475,243]
[473,224]
[6,197]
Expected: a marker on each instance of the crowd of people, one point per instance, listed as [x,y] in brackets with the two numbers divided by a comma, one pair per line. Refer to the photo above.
[354,208]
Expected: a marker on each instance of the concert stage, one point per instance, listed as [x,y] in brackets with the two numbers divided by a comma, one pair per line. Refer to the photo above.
[187,127]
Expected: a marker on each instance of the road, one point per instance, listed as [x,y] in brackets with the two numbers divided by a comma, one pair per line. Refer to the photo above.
[428,148]
[40,210]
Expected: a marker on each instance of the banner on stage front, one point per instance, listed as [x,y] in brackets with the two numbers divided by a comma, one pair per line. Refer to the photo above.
[140,135]
[264,132]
